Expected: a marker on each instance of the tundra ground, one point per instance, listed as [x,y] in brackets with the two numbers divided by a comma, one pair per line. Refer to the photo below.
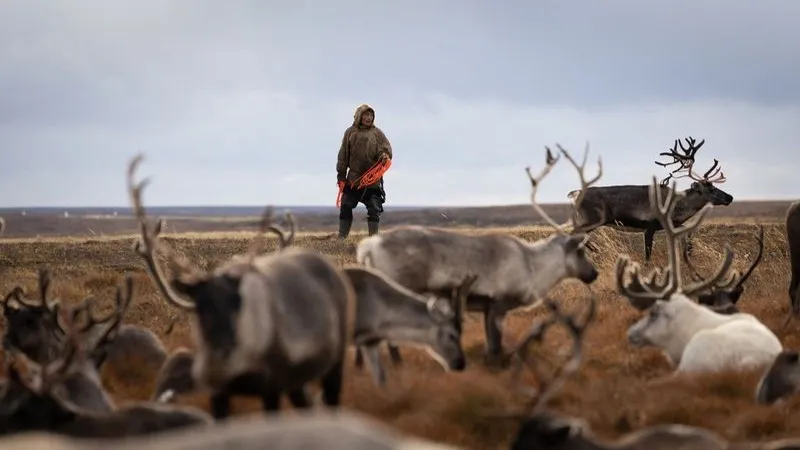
[617,389]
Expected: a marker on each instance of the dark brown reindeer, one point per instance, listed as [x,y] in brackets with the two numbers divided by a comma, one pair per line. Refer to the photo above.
[793,238]
[541,429]
[627,207]
[116,340]
[724,294]
[32,398]
[264,324]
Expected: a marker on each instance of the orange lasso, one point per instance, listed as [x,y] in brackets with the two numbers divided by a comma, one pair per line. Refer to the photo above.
[371,176]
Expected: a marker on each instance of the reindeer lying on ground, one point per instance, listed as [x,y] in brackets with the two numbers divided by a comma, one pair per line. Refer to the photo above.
[512,273]
[625,207]
[793,238]
[36,330]
[34,398]
[387,311]
[782,379]
[723,296]
[265,324]
[692,337]
[116,342]
[542,429]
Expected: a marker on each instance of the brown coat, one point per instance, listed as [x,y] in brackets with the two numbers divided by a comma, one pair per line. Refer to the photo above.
[361,148]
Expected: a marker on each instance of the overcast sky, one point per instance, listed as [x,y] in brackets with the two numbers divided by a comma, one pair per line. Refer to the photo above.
[245,102]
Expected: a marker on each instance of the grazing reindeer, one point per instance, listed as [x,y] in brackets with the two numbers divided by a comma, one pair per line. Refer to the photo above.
[512,273]
[543,429]
[723,296]
[265,324]
[625,207]
[387,311]
[175,376]
[782,379]
[692,337]
[34,400]
[793,238]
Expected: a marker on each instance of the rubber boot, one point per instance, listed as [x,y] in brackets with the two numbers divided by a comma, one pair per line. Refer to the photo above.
[372,227]
[344,228]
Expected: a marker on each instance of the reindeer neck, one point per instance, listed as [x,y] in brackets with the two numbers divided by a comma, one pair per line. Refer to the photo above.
[688,205]
[545,261]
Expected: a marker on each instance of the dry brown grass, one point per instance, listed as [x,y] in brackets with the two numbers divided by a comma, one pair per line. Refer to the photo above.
[614,390]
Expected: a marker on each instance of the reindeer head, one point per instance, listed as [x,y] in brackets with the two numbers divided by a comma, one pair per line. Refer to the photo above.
[702,186]
[448,315]
[781,379]
[572,242]
[214,296]
[29,401]
[661,293]
[723,295]
[32,325]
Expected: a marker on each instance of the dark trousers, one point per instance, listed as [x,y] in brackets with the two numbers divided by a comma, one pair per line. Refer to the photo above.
[372,197]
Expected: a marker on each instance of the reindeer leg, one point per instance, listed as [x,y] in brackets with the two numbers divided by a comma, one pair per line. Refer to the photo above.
[332,384]
[649,234]
[492,323]
[220,404]
[359,358]
[394,354]
[299,398]
[375,366]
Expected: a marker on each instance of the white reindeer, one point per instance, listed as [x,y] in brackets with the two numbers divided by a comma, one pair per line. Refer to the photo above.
[512,272]
[693,337]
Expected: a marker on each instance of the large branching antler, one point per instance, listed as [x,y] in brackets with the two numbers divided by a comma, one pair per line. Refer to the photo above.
[149,243]
[572,223]
[686,163]
[735,279]
[642,292]
[575,327]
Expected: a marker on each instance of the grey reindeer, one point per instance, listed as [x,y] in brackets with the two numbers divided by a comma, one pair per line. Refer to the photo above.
[33,399]
[546,430]
[175,376]
[512,273]
[264,324]
[389,312]
[626,207]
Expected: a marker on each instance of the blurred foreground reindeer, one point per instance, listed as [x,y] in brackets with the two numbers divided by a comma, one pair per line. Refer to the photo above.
[512,273]
[625,207]
[265,324]
[694,338]
[38,396]
[793,238]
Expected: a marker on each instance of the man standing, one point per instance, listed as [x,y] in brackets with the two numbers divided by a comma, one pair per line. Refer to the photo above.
[363,145]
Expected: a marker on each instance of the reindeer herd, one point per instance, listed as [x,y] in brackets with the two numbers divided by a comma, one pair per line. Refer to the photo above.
[269,324]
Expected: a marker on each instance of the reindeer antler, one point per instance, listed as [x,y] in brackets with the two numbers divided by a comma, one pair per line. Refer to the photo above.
[266,224]
[687,161]
[662,283]
[149,243]
[550,162]
[576,329]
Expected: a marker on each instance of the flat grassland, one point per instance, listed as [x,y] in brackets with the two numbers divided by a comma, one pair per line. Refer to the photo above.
[617,389]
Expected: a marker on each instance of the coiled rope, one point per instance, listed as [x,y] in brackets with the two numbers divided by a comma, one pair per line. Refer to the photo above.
[371,176]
